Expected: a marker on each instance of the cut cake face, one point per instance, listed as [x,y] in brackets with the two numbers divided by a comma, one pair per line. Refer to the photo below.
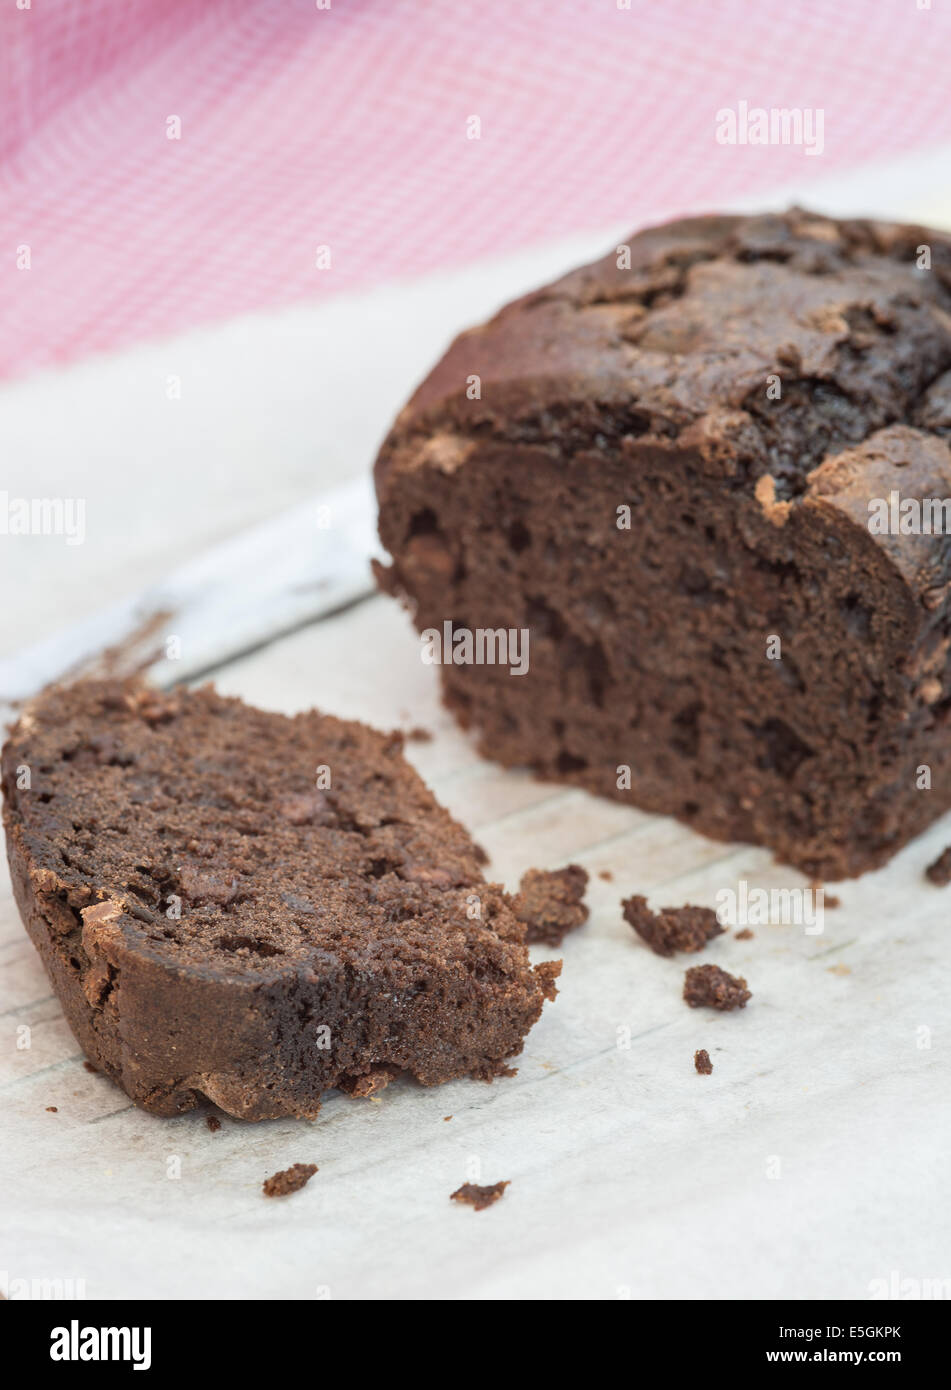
[671,474]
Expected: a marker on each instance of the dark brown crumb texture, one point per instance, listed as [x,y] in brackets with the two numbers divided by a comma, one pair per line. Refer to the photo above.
[368,1085]
[672,929]
[550,903]
[940,871]
[478,1197]
[219,927]
[289,1179]
[418,735]
[625,490]
[709,987]
[702,1063]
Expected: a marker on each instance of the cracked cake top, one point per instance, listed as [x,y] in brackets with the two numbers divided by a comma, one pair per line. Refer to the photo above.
[670,338]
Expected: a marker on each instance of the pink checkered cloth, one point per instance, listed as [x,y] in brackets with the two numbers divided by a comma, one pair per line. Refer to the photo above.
[304,127]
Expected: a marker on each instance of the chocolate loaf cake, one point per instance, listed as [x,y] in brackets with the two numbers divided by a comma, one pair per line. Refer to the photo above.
[669,478]
[251,908]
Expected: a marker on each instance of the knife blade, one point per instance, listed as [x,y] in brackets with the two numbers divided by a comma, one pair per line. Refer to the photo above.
[302,565]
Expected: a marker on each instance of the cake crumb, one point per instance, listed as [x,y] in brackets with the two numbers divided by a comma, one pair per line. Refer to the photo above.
[701,1060]
[707,986]
[607,875]
[490,1070]
[447,1117]
[213,1123]
[53,1109]
[671,929]
[366,1086]
[289,1179]
[549,902]
[478,1197]
[418,735]
[939,873]
[744,935]
[765,493]
[828,899]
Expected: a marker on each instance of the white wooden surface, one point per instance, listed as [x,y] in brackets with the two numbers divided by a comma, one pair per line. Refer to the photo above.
[630,1175]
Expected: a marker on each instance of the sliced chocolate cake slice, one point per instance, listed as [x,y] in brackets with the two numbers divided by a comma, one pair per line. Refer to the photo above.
[253,909]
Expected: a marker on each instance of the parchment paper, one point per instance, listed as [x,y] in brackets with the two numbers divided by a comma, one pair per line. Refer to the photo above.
[812,1162]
